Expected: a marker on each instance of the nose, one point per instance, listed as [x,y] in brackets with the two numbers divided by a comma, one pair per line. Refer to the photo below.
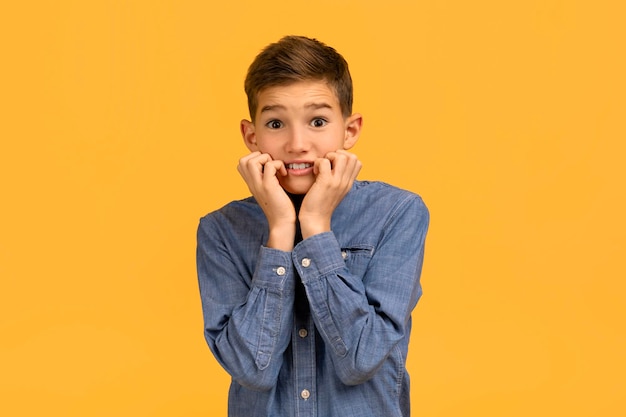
[297,141]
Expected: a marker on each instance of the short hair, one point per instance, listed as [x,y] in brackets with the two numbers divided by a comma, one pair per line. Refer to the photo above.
[298,58]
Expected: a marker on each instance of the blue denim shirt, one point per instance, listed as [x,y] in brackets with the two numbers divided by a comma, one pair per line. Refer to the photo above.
[322,330]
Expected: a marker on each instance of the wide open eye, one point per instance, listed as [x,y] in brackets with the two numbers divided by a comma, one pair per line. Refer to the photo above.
[274,124]
[318,122]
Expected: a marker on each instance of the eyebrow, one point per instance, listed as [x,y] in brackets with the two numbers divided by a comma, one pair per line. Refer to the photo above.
[314,106]
[273,107]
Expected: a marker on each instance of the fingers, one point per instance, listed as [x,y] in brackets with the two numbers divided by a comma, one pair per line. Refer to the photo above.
[271,169]
[321,166]
[261,172]
[335,174]
[251,164]
[342,164]
[256,167]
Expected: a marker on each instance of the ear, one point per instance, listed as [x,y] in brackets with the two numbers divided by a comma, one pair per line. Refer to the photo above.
[249,135]
[353,130]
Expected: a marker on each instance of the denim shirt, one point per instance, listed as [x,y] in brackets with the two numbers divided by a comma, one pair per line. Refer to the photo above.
[322,330]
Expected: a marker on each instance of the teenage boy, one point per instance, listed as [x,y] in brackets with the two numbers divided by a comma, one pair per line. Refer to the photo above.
[307,287]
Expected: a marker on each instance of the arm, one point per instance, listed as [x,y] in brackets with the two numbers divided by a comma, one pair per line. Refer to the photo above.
[362,319]
[247,320]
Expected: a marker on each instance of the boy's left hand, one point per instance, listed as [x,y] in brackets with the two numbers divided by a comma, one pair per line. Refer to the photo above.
[335,175]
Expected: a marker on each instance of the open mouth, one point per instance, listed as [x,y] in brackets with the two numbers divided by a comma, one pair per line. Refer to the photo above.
[303,165]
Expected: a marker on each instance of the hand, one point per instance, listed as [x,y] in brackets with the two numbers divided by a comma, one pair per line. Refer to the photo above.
[335,175]
[260,172]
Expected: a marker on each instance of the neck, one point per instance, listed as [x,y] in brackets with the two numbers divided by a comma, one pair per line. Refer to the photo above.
[296,199]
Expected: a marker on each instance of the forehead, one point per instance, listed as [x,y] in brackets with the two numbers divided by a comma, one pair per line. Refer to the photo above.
[298,93]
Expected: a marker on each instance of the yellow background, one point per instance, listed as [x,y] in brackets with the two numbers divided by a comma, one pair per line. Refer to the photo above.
[119,129]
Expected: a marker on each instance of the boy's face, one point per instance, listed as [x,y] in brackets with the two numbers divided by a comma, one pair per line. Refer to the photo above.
[298,123]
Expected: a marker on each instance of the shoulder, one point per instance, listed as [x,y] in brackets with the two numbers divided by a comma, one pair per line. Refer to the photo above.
[374,212]
[372,208]
[234,215]
[386,198]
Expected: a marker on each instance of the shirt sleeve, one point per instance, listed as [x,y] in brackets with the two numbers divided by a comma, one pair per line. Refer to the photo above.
[362,318]
[247,322]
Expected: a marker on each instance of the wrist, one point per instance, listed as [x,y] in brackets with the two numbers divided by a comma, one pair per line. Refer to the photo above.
[311,226]
[281,236]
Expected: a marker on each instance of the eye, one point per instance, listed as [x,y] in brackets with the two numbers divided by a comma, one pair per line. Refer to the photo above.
[318,122]
[274,124]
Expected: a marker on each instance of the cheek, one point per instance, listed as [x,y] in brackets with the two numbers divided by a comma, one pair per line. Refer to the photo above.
[339,137]
[264,148]
[269,149]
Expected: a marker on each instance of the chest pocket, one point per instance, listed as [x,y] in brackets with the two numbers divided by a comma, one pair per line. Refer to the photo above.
[357,258]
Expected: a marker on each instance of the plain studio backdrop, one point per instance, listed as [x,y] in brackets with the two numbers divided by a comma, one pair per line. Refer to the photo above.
[119,130]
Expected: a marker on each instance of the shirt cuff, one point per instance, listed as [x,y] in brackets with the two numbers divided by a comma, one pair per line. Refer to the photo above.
[274,270]
[317,256]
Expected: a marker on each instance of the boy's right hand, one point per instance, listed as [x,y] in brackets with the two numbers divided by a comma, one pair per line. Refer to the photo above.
[260,172]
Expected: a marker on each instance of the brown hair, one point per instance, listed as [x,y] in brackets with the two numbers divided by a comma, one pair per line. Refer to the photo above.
[297,58]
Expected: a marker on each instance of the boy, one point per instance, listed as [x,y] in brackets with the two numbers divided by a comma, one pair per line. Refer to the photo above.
[307,287]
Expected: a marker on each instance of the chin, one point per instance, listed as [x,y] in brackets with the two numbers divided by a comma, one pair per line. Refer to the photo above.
[297,187]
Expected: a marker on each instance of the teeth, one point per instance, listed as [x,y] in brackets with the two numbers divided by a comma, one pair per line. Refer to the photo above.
[298,166]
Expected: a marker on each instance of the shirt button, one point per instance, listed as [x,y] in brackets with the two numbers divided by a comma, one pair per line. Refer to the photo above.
[280,270]
[302,333]
[344,254]
[305,394]
[306,262]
